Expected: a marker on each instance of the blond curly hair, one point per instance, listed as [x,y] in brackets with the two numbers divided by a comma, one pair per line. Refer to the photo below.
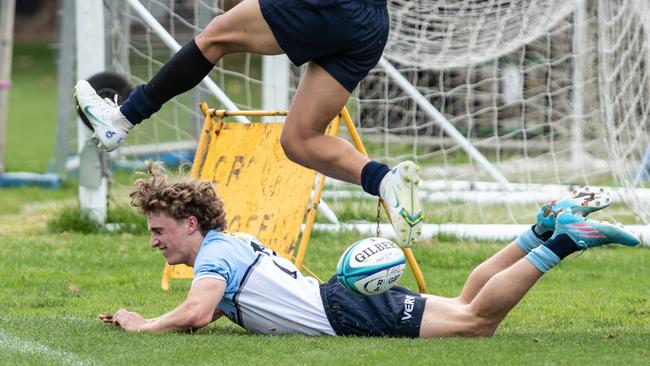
[179,197]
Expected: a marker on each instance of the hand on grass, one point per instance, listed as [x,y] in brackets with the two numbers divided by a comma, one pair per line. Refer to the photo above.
[127,320]
[106,318]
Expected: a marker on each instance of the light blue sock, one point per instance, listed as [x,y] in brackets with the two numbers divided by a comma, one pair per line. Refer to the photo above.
[528,240]
[543,258]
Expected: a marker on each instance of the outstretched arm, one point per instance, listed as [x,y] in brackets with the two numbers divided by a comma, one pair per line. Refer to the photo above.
[195,312]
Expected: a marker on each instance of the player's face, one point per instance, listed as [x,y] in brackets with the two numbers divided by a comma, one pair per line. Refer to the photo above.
[169,236]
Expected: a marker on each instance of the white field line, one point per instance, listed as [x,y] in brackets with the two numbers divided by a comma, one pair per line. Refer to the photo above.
[16,344]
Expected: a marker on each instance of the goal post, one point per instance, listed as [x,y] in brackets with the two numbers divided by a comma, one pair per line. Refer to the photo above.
[7,11]
[93,182]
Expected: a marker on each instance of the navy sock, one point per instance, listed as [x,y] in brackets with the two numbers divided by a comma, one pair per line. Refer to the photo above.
[181,73]
[547,235]
[562,245]
[544,236]
[371,176]
[138,106]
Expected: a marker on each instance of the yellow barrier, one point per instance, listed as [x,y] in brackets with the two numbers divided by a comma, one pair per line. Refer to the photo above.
[264,193]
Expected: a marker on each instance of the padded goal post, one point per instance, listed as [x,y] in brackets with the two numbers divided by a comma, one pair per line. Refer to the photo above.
[264,193]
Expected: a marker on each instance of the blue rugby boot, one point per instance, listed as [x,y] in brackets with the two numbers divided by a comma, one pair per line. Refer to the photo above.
[399,190]
[589,233]
[582,201]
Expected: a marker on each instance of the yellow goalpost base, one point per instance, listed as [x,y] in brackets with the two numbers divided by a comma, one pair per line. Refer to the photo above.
[264,193]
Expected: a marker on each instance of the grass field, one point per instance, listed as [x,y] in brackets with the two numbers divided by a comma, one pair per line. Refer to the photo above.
[32,109]
[592,309]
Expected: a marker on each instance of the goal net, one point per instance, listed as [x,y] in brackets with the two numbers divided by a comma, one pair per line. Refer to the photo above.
[553,93]
[550,94]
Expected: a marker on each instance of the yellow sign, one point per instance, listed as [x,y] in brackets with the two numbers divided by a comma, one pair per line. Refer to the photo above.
[265,194]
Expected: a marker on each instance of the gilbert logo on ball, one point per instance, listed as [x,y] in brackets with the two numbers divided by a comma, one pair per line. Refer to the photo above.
[371,266]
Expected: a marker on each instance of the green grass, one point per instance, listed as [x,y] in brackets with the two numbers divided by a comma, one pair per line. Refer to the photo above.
[72,219]
[31,128]
[22,199]
[593,309]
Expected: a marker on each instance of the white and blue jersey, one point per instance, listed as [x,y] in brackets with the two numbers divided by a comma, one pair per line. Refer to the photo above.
[265,293]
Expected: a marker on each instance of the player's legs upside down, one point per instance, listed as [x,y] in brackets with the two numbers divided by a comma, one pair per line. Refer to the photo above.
[499,283]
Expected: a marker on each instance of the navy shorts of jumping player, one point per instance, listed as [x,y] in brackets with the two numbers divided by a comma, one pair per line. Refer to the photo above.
[345,37]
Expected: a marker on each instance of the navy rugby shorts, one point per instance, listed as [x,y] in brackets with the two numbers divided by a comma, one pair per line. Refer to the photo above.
[395,313]
[345,37]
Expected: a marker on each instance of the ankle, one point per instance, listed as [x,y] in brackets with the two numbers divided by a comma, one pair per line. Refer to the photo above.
[138,106]
[528,240]
[122,122]
[562,245]
[373,176]
[543,258]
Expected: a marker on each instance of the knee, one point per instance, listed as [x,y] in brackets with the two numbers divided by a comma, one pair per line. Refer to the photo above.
[216,38]
[301,144]
[292,145]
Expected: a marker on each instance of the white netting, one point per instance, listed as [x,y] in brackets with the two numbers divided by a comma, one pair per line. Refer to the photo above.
[139,52]
[442,34]
[550,91]
[624,84]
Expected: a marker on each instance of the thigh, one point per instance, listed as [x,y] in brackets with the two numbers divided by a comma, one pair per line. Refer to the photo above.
[442,318]
[241,29]
[317,101]
[449,300]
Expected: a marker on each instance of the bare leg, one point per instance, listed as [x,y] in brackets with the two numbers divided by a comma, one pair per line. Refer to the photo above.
[319,98]
[482,316]
[504,290]
[241,29]
[482,274]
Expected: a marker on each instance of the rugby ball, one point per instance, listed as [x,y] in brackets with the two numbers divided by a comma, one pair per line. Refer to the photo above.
[371,266]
